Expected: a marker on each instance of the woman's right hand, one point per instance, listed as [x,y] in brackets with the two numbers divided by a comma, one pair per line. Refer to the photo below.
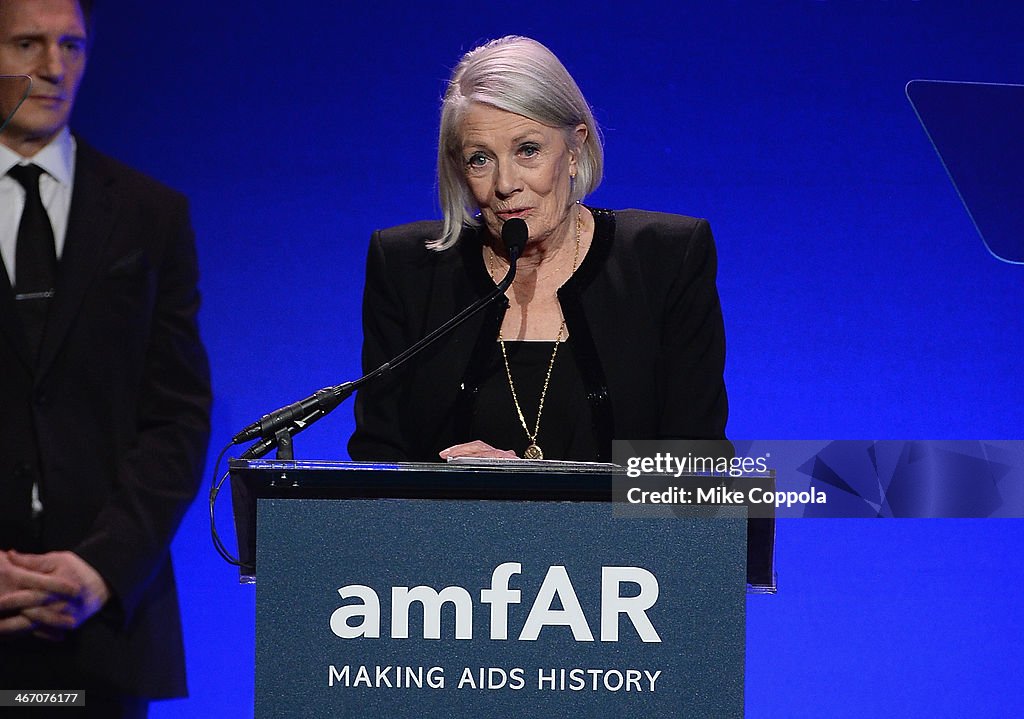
[476,448]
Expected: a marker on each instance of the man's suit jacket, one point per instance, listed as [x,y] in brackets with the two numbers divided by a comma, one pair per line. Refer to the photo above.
[112,420]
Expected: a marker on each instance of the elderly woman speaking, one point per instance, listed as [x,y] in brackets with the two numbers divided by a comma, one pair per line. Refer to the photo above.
[611,329]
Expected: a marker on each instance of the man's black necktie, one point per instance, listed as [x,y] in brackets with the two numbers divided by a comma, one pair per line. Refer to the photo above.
[35,260]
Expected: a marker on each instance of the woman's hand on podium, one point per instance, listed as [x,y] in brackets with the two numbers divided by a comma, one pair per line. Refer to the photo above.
[476,448]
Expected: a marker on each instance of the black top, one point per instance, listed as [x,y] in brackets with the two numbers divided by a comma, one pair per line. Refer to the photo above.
[645,333]
[565,426]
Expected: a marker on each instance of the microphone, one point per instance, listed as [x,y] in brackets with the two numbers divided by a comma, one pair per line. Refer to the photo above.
[299,415]
[515,233]
[322,401]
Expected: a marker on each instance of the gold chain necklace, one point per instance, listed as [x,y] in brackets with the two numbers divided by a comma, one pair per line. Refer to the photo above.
[533,450]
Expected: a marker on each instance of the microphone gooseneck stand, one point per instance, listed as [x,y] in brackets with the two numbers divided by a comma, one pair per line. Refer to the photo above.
[277,428]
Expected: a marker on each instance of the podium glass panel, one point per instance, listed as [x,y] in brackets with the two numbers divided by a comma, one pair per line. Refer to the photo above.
[13,91]
[976,129]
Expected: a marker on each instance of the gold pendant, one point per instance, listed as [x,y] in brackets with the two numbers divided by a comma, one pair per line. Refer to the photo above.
[533,452]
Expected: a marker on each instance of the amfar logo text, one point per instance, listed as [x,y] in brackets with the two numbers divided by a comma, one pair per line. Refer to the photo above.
[363,620]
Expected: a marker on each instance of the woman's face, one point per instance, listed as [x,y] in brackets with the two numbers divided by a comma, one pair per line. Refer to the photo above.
[517,167]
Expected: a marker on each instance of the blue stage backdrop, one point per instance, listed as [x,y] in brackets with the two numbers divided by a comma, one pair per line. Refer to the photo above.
[859,300]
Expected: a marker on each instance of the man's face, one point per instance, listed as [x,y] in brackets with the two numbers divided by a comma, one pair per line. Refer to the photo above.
[45,39]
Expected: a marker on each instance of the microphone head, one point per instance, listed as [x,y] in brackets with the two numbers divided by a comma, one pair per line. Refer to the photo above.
[515,233]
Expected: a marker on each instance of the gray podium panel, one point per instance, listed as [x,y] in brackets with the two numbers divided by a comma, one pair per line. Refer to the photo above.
[494,608]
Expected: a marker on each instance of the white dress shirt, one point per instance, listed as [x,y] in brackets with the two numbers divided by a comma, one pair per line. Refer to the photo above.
[57,160]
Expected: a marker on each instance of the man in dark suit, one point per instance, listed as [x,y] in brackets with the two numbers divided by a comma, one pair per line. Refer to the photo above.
[105,391]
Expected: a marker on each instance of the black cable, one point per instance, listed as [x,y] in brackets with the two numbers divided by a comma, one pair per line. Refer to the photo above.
[215,486]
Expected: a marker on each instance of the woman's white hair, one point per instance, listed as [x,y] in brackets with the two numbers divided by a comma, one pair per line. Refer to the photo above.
[518,75]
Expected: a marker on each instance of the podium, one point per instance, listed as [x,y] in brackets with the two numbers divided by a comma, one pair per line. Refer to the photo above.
[427,590]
